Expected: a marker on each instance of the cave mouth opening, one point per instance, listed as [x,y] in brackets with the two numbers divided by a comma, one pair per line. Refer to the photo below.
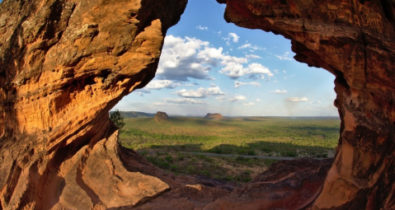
[229,102]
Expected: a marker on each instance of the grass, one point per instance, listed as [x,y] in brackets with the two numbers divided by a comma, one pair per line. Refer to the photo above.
[168,144]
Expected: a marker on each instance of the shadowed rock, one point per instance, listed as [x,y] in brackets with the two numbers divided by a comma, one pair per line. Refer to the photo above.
[63,66]
[354,40]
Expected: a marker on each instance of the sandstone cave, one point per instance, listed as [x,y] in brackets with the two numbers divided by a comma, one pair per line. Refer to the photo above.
[65,64]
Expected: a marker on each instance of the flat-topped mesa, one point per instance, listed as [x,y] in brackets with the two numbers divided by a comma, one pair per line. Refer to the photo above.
[213,116]
[63,66]
[161,116]
[355,41]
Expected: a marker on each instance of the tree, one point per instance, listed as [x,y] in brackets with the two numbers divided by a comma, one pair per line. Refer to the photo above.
[117,119]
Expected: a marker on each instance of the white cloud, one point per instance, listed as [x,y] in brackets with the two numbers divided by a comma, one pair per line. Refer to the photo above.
[186,58]
[202,28]
[257,68]
[201,92]
[179,61]
[231,37]
[238,84]
[250,47]
[183,101]
[160,84]
[238,98]
[285,56]
[297,99]
[278,91]
[258,100]
[235,38]
[253,56]
[235,70]
[214,91]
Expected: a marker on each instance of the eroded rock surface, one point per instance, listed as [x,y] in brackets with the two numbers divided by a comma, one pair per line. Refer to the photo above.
[291,184]
[65,63]
[354,40]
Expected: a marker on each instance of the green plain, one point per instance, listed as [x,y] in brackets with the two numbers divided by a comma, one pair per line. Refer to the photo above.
[175,144]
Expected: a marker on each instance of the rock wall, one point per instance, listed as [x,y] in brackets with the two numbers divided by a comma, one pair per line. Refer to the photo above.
[354,40]
[63,65]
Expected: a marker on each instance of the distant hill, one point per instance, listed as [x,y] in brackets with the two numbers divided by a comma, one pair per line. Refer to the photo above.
[213,116]
[131,114]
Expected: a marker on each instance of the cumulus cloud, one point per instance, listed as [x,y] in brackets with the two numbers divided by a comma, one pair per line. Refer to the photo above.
[186,58]
[231,37]
[237,98]
[297,99]
[278,91]
[201,92]
[160,84]
[183,101]
[253,70]
[235,37]
[237,84]
[286,56]
[202,28]
[179,59]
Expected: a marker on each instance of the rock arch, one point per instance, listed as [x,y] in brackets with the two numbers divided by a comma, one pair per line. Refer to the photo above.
[65,63]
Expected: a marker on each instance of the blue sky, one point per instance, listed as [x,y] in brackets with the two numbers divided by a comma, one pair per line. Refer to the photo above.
[208,65]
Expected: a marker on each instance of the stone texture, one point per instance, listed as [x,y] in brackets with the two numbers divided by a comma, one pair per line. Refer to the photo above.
[291,184]
[63,65]
[354,40]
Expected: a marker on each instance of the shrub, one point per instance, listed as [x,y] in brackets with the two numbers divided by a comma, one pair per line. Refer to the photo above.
[117,119]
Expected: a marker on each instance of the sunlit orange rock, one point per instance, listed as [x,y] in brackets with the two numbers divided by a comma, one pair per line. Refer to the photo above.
[63,66]
[354,40]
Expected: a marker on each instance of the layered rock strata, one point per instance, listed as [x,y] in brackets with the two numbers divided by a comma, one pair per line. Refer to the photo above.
[354,40]
[63,65]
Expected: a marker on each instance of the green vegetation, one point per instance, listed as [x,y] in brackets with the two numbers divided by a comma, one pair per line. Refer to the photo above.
[117,119]
[178,144]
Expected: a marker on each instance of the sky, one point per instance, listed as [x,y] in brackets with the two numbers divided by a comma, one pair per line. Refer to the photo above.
[211,66]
